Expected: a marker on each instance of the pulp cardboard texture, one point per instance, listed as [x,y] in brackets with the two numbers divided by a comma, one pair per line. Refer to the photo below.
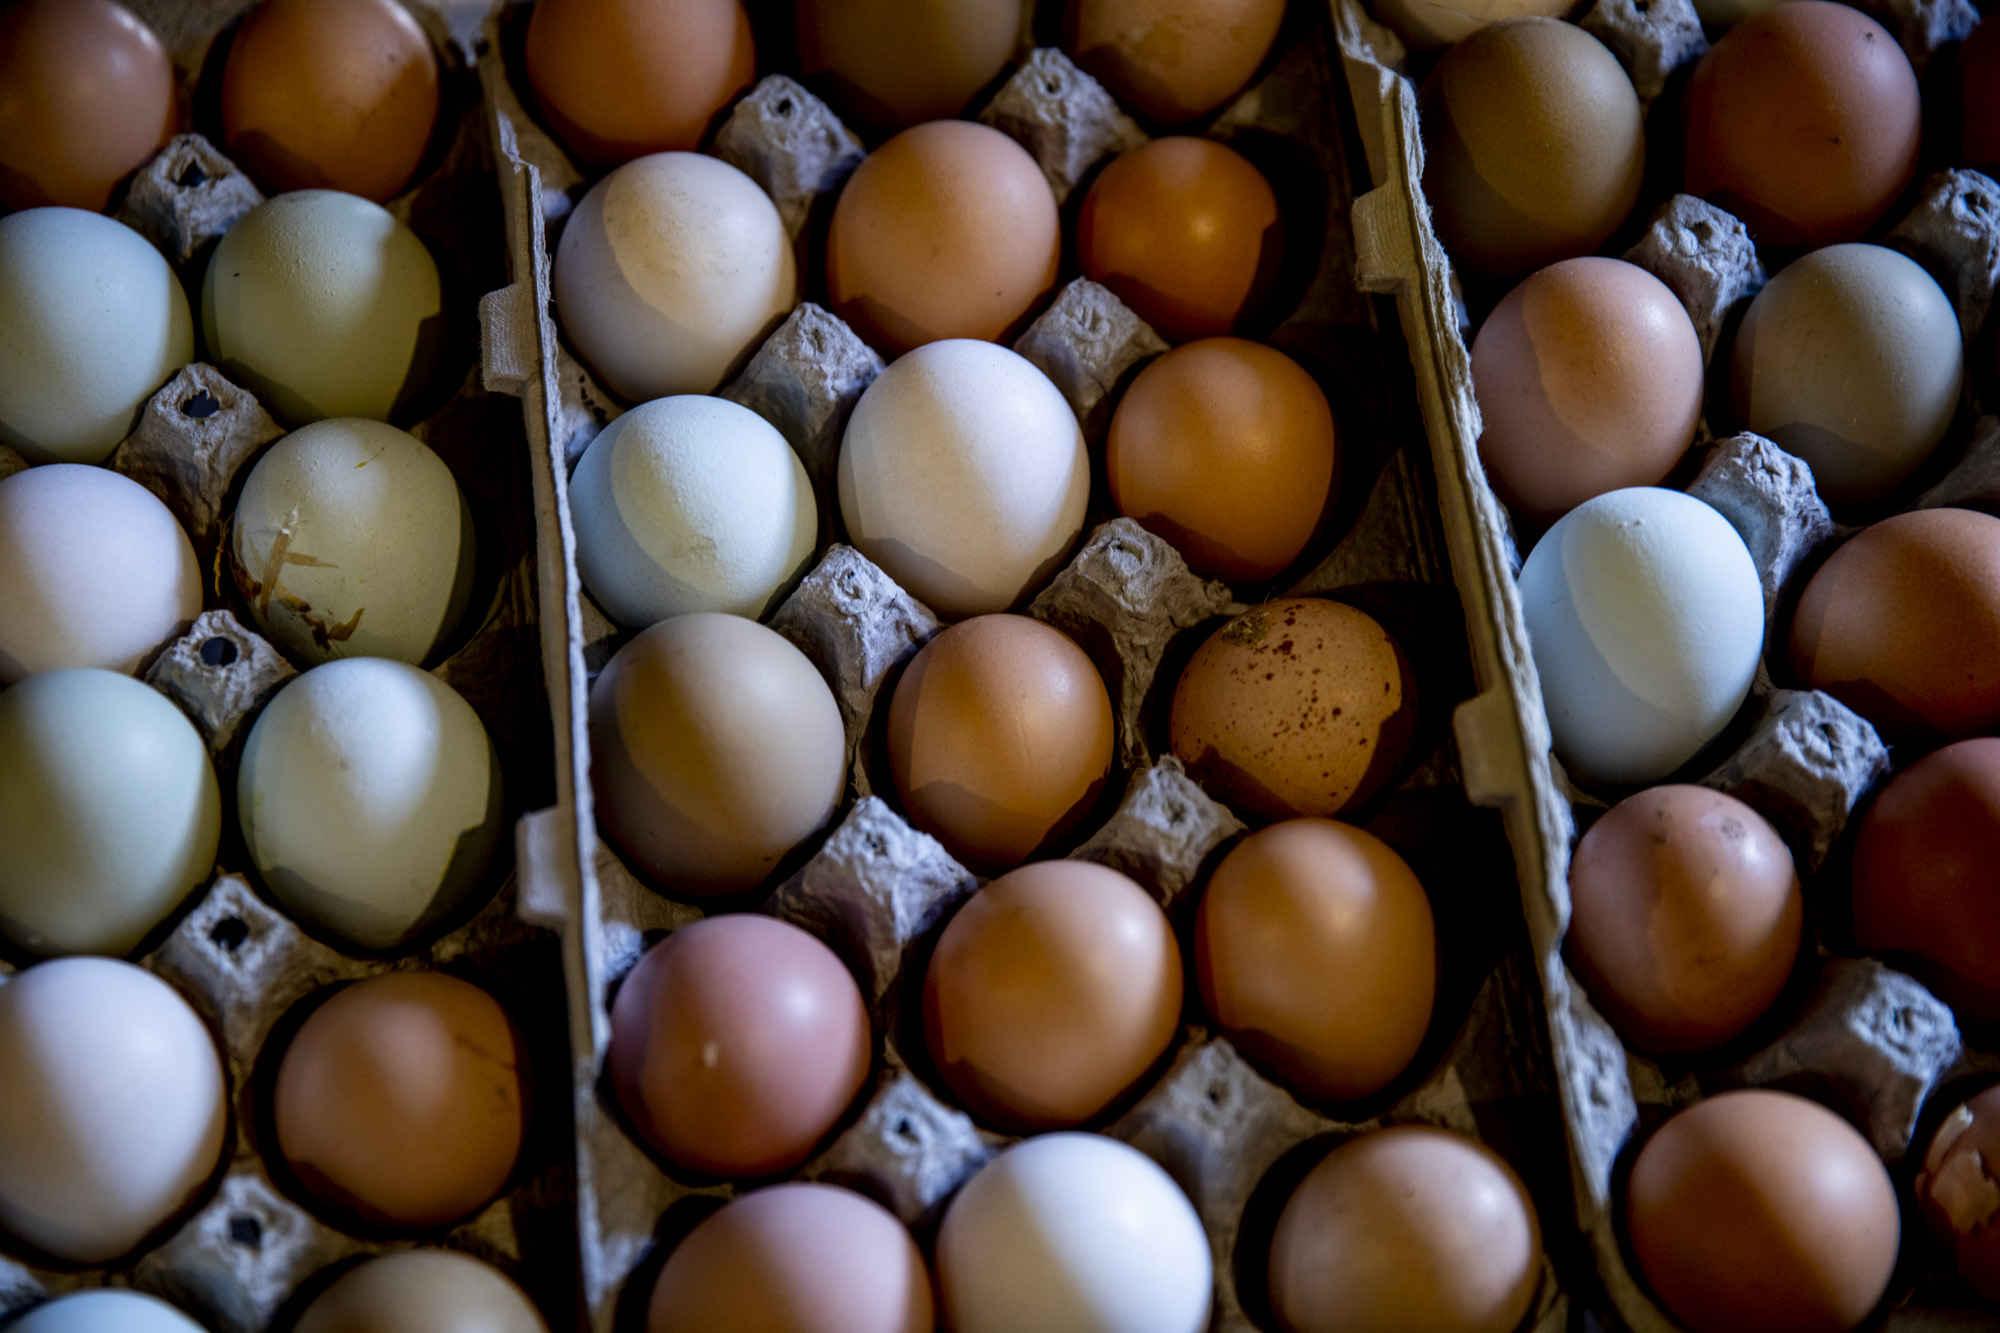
[253,1249]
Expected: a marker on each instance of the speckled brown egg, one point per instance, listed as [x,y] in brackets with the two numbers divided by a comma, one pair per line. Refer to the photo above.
[895,63]
[1171,60]
[1979,75]
[1299,707]
[1957,1187]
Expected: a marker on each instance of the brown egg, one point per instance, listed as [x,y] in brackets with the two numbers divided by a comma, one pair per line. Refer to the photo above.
[1927,873]
[1299,707]
[86,98]
[797,1258]
[421,1291]
[716,749]
[894,63]
[736,1044]
[948,230]
[618,79]
[1762,1210]
[1589,376]
[1407,1228]
[1804,122]
[399,1101]
[1684,919]
[1000,737]
[1533,146]
[1956,1188]
[1228,450]
[1902,625]
[1979,75]
[1317,955]
[1186,232]
[1171,60]
[1053,991]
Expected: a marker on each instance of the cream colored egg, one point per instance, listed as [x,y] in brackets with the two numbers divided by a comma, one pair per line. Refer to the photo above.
[422,1291]
[95,322]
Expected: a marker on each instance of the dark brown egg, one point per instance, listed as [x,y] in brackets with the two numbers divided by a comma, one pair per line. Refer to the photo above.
[894,63]
[1979,73]
[1171,60]
[1958,1188]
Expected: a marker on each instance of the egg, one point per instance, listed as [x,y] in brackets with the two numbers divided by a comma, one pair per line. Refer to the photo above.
[1955,1184]
[1317,956]
[1228,450]
[1172,60]
[691,504]
[1979,66]
[1803,121]
[109,812]
[1850,358]
[795,1258]
[370,801]
[1646,618]
[1186,232]
[106,1310]
[90,98]
[352,539]
[963,475]
[1406,1228]
[737,1043]
[1050,994]
[94,572]
[1589,377]
[1760,1209]
[112,1112]
[98,323]
[1297,707]
[398,1101]
[716,750]
[1902,624]
[421,1291]
[670,273]
[622,78]
[324,305]
[891,63]
[1433,23]
[1000,735]
[1685,916]
[1925,876]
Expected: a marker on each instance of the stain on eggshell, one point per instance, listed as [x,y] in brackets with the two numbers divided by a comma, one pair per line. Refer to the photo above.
[1957,1191]
[895,63]
[1171,60]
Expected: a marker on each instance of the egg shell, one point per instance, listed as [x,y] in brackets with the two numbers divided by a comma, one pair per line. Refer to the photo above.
[795,1258]
[1073,1231]
[352,539]
[670,273]
[948,230]
[370,800]
[716,749]
[1533,146]
[113,1109]
[97,322]
[106,1310]
[1760,1209]
[1902,624]
[737,1043]
[1298,707]
[1646,618]
[94,572]
[398,1101]
[894,63]
[1407,1228]
[1803,121]
[109,812]
[1956,1180]
[1851,359]
[963,475]
[1589,376]
[1685,917]
[1171,60]
[1979,78]
[421,1291]
[1433,23]
[690,504]
[323,305]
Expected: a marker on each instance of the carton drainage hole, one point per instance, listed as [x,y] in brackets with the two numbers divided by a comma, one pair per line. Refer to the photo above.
[202,406]
[218,651]
[246,1230]
[230,932]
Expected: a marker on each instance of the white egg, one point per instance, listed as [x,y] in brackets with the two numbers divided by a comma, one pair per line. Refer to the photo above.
[1647,621]
[963,475]
[369,796]
[109,812]
[1073,1233]
[112,1110]
[1424,23]
[690,504]
[670,273]
[95,322]
[353,540]
[106,1310]
[94,572]
[323,305]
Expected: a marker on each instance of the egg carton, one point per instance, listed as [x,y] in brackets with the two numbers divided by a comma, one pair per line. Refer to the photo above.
[253,1247]
[1852,1033]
